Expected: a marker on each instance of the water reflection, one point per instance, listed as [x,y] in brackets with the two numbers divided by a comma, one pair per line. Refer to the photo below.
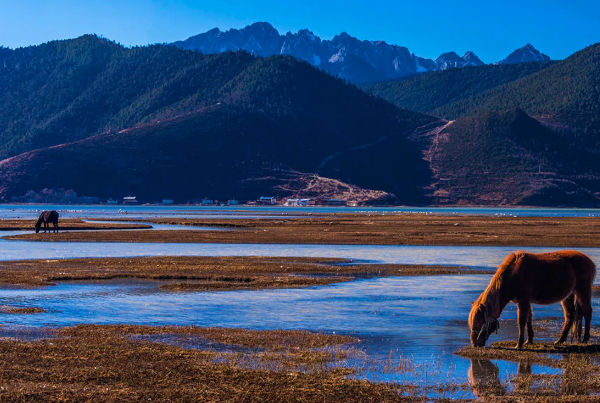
[487,378]
[484,378]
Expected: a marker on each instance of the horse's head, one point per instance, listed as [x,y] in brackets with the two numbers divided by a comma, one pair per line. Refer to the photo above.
[38,225]
[482,324]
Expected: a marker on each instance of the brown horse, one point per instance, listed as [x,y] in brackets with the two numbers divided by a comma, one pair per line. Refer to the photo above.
[46,218]
[545,278]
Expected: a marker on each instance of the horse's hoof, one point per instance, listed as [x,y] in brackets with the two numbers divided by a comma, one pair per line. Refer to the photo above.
[529,342]
[519,346]
[558,342]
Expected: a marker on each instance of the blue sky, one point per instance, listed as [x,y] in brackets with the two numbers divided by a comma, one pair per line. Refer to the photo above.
[427,28]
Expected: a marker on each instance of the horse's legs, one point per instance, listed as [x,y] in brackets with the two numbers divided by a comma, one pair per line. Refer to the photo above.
[584,304]
[45,226]
[569,310]
[523,314]
[530,326]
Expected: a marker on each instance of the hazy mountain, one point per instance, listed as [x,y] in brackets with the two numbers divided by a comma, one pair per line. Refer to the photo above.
[356,60]
[525,54]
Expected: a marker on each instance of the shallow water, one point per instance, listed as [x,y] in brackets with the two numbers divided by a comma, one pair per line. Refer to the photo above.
[422,319]
[475,256]
[419,319]
[120,211]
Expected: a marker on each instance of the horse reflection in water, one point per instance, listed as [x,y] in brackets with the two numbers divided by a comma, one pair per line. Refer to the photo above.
[484,378]
[485,381]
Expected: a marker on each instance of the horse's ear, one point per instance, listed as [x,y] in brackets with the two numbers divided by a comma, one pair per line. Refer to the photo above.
[520,255]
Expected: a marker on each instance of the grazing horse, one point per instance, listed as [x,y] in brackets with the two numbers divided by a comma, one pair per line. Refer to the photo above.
[545,278]
[46,218]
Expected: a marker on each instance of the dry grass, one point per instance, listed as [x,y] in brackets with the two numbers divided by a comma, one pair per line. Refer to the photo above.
[263,272]
[20,310]
[67,225]
[109,364]
[135,363]
[399,229]
[229,283]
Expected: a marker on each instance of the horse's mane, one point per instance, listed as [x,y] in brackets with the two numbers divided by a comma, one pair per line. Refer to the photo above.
[490,298]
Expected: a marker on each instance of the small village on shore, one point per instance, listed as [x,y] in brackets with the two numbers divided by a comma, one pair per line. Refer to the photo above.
[262,201]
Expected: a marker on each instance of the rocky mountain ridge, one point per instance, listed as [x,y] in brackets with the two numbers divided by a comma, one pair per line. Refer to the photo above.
[359,61]
[524,55]
[345,56]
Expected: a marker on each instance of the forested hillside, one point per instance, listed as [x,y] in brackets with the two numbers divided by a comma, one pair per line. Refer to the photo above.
[67,90]
[431,92]
[495,158]
[280,112]
[91,116]
[567,92]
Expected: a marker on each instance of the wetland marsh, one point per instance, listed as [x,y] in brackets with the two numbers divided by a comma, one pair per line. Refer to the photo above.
[400,310]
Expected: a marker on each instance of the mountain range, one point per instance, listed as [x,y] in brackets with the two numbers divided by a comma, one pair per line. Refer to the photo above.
[90,116]
[105,120]
[359,61]
[525,133]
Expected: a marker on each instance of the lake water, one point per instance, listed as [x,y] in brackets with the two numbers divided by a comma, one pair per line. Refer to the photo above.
[420,319]
[476,256]
[121,211]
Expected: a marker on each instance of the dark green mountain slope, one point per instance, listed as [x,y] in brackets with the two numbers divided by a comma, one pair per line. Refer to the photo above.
[430,92]
[567,92]
[242,116]
[524,135]
[67,90]
[219,152]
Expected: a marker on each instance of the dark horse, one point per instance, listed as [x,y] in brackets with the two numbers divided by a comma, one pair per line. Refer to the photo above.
[545,278]
[46,218]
